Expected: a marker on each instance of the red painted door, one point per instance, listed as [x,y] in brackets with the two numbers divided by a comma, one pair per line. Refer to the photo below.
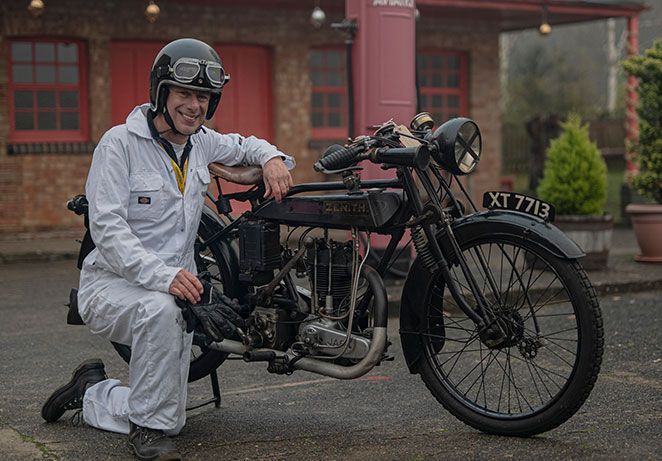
[245,106]
[130,65]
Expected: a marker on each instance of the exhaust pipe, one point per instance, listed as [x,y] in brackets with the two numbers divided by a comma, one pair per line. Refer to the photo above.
[321,367]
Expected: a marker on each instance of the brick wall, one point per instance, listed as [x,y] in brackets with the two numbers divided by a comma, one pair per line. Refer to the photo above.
[34,187]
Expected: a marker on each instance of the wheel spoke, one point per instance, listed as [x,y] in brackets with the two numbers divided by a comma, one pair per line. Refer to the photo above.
[528,296]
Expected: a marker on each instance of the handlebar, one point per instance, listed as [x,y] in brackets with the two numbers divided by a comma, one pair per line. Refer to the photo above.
[337,157]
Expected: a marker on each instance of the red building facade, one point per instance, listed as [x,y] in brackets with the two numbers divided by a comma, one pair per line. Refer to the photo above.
[77,69]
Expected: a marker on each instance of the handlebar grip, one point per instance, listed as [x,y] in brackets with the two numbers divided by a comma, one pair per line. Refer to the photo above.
[337,157]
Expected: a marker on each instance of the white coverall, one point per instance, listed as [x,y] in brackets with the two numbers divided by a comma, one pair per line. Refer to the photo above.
[144,229]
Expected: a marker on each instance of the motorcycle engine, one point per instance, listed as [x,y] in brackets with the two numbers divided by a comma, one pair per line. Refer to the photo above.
[329,270]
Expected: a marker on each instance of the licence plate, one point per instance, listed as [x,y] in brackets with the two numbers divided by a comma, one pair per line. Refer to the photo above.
[495,200]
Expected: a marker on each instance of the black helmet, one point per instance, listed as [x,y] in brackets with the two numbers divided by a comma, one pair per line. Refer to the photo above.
[188,63]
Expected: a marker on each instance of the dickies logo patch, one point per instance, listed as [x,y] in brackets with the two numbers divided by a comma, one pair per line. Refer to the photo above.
[144,200]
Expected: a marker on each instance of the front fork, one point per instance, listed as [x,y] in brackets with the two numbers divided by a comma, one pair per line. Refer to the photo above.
[483,317]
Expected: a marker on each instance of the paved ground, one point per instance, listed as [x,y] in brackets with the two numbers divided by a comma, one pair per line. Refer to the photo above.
[388,414]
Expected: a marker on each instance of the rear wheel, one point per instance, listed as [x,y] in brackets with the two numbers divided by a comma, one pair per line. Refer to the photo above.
[214,261]
[544,371]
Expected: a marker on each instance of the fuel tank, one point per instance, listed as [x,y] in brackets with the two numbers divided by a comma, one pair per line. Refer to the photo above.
[367,210]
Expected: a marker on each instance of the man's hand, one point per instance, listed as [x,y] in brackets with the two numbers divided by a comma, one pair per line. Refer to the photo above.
[277,179]
[215,315]
[186,286]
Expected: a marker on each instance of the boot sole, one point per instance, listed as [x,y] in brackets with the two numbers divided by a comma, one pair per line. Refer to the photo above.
[162,457]
[90,364]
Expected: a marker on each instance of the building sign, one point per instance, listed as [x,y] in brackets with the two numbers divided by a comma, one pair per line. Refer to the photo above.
[394,3]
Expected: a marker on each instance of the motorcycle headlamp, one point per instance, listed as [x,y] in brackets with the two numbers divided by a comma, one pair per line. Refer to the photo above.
[187,70]
[459,144]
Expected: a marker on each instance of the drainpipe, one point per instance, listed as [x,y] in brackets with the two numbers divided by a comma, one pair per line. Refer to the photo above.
[631,120]
[349,28]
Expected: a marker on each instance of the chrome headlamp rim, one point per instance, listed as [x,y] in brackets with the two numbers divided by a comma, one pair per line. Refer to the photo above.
[459,145]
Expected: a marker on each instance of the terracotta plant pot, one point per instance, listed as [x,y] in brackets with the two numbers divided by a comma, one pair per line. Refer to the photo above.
[593,235]
[647,226]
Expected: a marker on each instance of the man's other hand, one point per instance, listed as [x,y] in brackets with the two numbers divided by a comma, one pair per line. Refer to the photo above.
[186,286]
[277,179]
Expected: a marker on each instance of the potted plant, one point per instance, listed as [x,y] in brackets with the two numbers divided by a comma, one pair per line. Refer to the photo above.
[647,217]
[575,182]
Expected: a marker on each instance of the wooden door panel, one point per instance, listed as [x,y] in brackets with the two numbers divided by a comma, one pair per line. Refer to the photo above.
[130,65]
[245,106]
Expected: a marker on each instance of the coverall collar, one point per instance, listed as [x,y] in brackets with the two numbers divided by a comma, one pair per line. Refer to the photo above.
[136,122]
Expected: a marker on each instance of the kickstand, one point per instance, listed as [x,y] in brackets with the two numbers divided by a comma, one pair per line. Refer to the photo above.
[216,391]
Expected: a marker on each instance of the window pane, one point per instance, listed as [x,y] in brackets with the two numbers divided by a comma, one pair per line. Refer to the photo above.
[44,52]
[46,99]
[45,74]
[453,102]
[69,99]
[436,62]
[453,80]
[21,52]
[334,119]
[453,62]
[437,81]
[424,101]
[67,52]
[436,101]
[318,100]
[24,120]
[22,73]
[422,79]
[333,100]
[317,119]
[68,74]
[333,60]
[69,120]
[318,78]
[46,121]
[334,79]
[316,59]
[422,61]
[23,99]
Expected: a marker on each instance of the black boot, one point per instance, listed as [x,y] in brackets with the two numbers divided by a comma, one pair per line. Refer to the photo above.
[70,396]
[151,444]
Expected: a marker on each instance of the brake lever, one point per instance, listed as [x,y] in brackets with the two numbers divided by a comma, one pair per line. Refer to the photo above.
[342,170]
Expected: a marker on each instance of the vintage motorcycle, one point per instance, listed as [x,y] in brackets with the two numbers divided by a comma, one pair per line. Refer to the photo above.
[497,315]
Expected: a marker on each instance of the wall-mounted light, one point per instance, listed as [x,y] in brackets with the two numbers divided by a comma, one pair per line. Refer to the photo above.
[36,7]
[152,11]
[318,16]
[545,28]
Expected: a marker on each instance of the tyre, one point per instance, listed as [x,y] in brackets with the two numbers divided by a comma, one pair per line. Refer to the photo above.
[217,262]
[547,366]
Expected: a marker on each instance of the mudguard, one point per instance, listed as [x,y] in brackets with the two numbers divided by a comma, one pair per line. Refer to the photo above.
[466,230]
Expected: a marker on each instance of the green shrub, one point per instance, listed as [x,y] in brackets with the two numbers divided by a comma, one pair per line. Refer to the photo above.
[648,69]
[575,174]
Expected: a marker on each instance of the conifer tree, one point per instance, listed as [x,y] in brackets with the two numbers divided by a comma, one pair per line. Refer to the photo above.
[575,174]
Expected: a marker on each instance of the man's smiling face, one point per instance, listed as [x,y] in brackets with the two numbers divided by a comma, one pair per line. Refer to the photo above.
[187,108]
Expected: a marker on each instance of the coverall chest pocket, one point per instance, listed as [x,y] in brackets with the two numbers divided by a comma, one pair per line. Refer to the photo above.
[146,198]
[202,180]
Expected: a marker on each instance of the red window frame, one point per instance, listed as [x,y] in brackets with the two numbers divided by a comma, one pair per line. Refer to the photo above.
[323,90]
[434,83]
[57,135]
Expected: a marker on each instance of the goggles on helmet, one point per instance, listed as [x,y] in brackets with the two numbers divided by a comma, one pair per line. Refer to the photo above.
[185,70]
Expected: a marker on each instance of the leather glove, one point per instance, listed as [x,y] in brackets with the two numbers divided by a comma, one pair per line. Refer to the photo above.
[215,315]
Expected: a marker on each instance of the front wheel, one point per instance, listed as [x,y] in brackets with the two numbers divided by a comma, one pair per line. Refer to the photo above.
[545,369]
